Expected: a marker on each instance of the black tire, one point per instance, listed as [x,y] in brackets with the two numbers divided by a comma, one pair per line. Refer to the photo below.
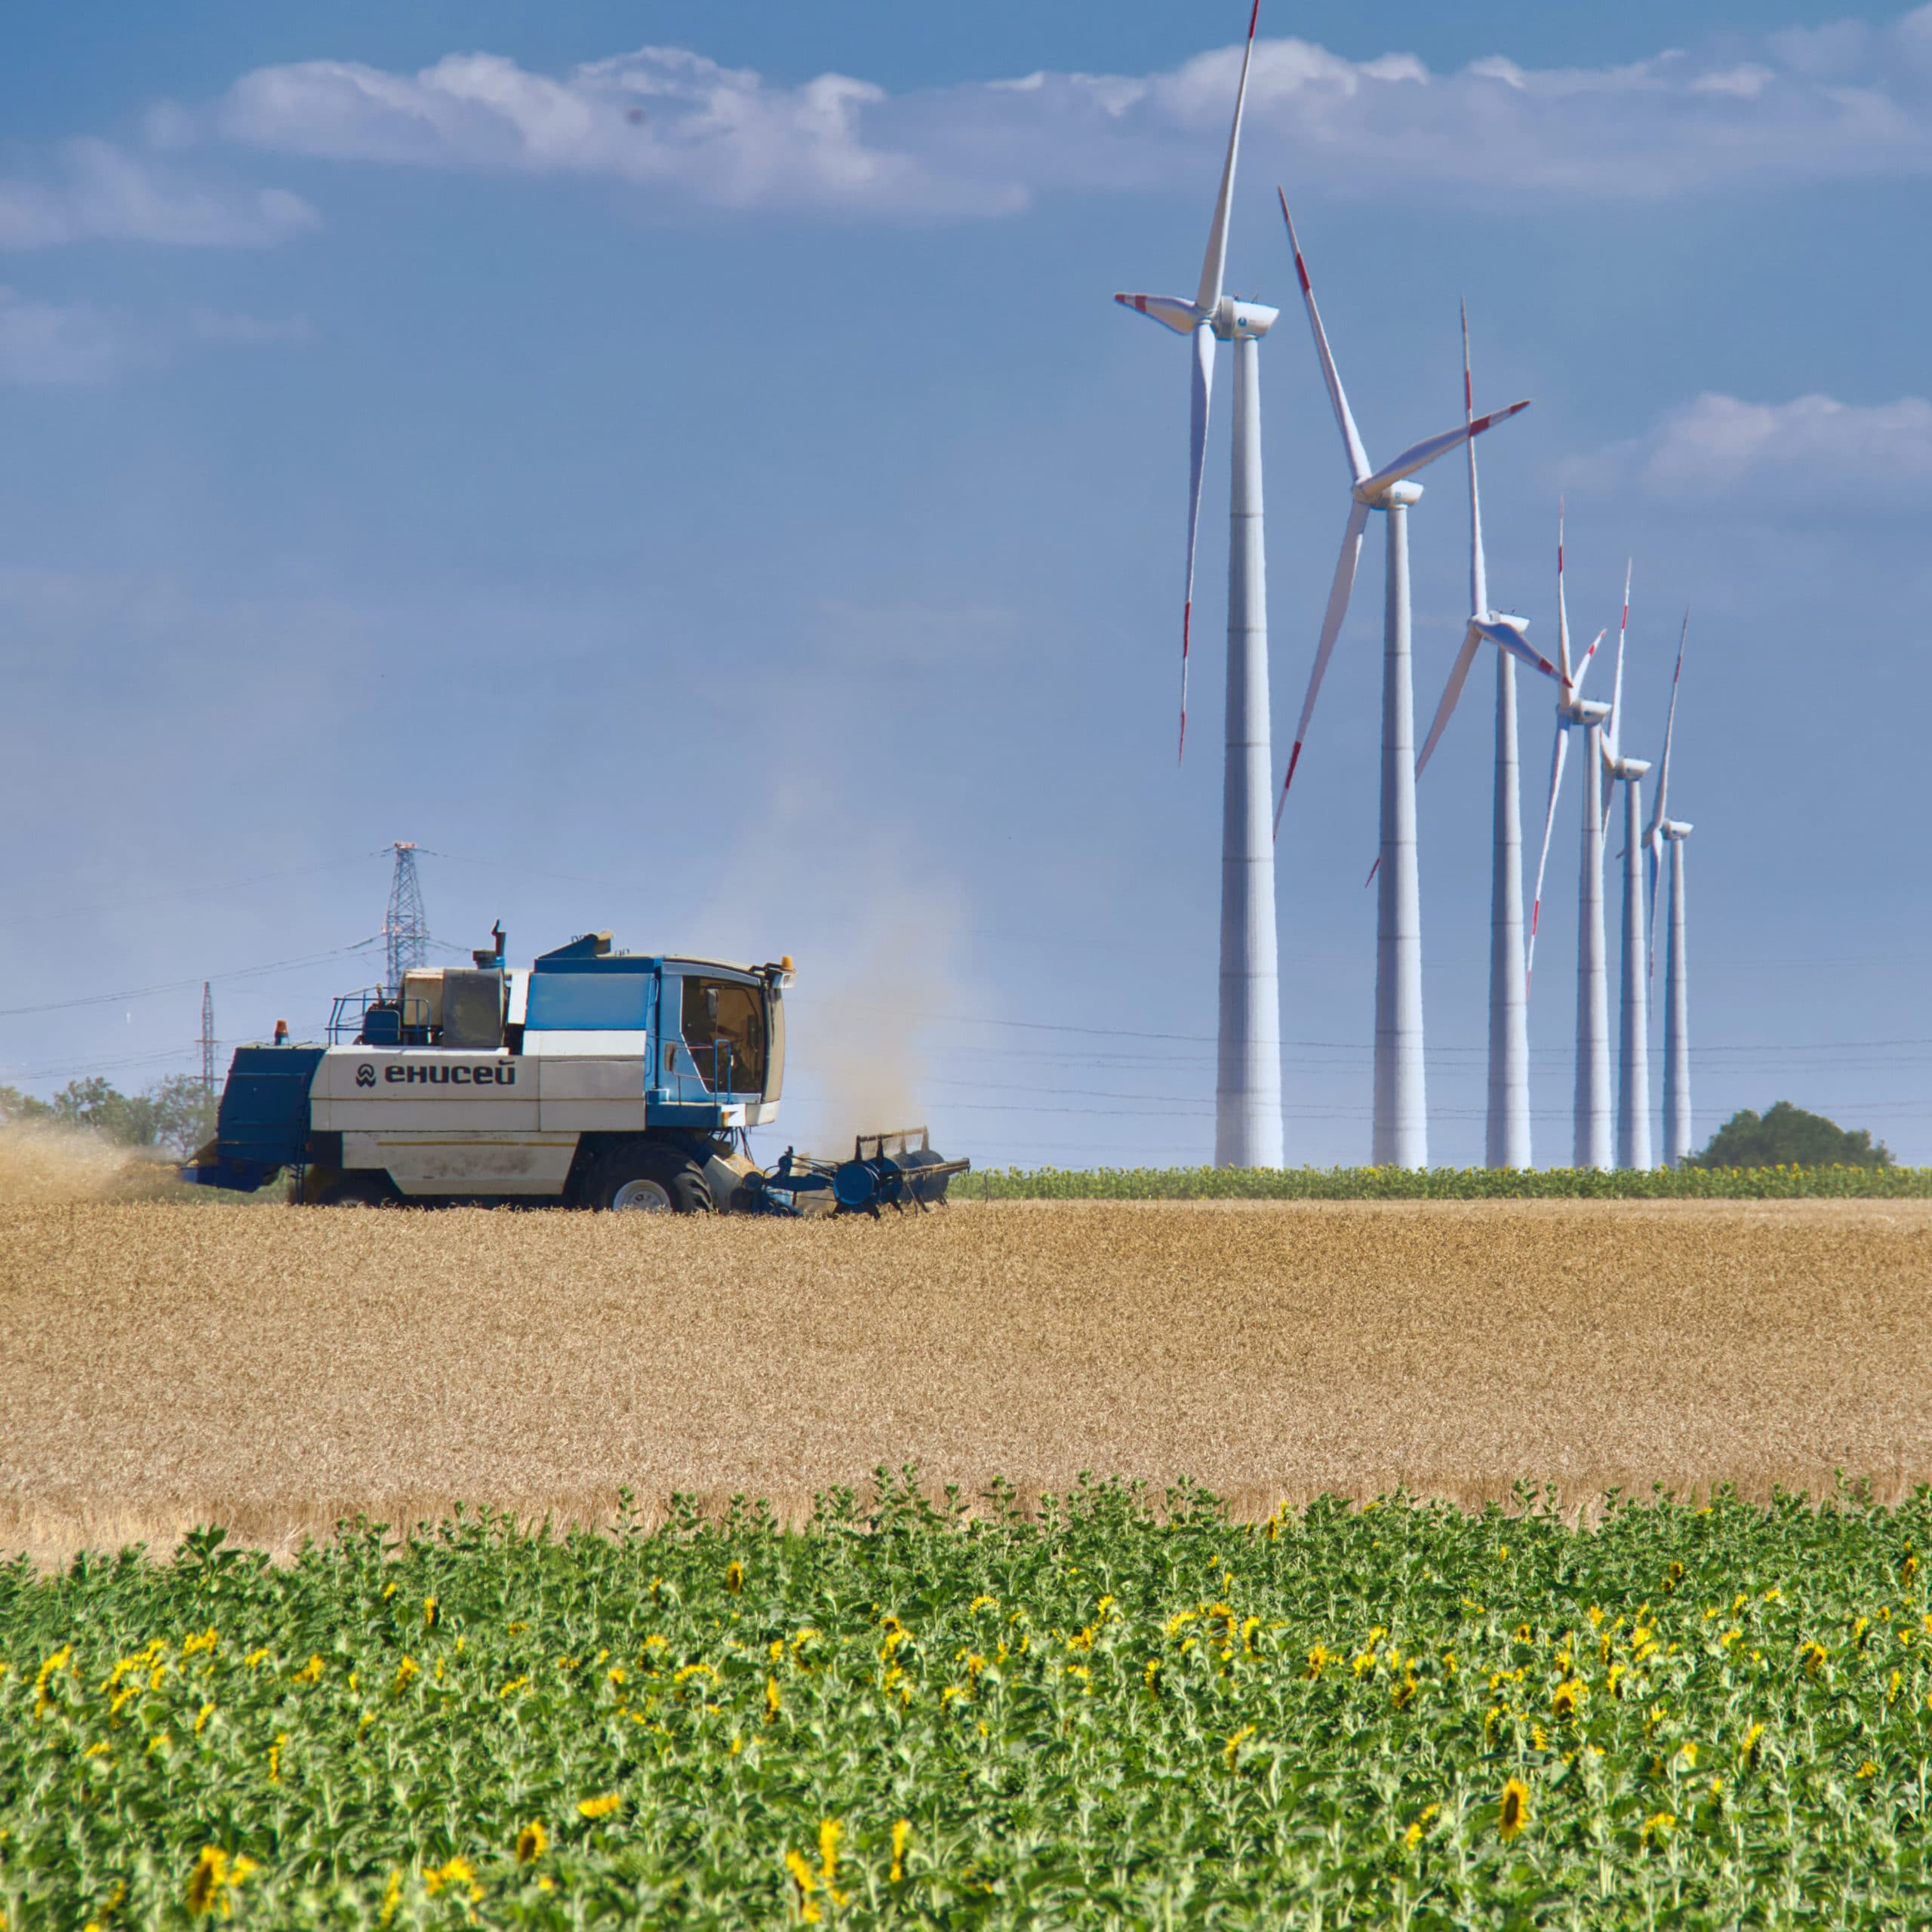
[361,1187]
[655,1180]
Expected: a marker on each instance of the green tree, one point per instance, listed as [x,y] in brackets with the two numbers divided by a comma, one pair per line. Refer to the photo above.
[176,1113]
[1788,1137]
[99,1105]
[16,1105]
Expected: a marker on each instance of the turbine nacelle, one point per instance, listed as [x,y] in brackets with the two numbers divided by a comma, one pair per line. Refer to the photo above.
[1626,768]
[1229,320]
[1400,494]
[1585,711]
[1240,322]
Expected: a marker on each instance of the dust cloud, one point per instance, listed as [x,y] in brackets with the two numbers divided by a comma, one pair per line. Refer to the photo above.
[868,1061]
[861,1020]
[879,931]
[41,1163]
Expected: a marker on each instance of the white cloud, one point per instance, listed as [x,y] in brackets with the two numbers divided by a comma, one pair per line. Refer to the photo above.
[100,193]
[661,117]
[55,343]
[1830,52]
[1813,449]
[1832,102]
[50,343]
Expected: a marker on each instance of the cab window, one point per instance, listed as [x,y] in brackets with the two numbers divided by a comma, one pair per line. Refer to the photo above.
[724,1026]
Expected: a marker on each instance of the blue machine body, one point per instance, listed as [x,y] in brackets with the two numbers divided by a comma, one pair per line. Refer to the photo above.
[484,1082]
[263,1124]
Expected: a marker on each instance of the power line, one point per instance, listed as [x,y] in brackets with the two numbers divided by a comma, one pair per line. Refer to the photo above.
[1342,1046]
[178,985]
[121,901]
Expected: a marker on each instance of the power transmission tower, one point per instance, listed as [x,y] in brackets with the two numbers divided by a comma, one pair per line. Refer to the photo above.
[405,926]
[207,1038]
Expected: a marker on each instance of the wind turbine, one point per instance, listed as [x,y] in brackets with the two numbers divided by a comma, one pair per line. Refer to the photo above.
[1576,712]
[1662,832]
[1247,1095]
[1633,1043]
[1508,1138]
[1401,1137]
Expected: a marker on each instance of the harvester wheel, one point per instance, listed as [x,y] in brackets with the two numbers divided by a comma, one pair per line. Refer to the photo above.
[650,1180]
[358,1188]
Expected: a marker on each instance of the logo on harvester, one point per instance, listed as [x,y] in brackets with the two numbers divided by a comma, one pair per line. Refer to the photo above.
[428,1073]
[365,1075]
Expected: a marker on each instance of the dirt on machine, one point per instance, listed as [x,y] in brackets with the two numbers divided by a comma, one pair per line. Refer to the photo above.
[592,1078]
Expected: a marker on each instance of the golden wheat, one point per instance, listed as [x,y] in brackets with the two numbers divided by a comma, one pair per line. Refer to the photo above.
[163,1367]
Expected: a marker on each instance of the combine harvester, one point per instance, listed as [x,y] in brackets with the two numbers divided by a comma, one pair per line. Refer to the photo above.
[596,1079]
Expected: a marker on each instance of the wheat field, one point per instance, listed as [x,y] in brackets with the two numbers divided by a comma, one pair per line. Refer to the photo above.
[164,1366]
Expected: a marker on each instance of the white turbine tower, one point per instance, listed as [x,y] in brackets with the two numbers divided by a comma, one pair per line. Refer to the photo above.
[1576,712]
[1662,832]
[1507,1142]
[1401,1137]
[1247,1097]
[1633,1041]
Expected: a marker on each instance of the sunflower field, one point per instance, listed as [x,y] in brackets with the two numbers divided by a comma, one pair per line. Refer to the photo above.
[1094,1711]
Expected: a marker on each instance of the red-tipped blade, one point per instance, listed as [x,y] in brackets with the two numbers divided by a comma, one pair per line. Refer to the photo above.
[1559,754]
[1281,803]
[1358,457]
[1423,454]
[1669,726]
[1215,263]
[1331,626]
[1200,387]
[1459,675]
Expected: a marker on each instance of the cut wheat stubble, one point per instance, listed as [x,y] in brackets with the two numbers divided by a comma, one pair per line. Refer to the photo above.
[166,1367]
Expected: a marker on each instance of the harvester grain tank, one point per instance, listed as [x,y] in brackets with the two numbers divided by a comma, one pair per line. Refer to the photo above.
[595,1078]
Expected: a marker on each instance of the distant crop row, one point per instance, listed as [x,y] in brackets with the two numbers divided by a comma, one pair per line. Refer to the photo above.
[1445,1184]
[1096,1714]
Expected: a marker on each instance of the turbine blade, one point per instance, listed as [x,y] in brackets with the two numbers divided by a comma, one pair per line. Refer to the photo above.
[1202,388]
[1351,442]
[1669,725]
[1610,737]
[1560,752]
[1562,606]
[1331,625]
[1519,646]
[1576,688]
[1423,454]
[1654,840]
[1213,264]
[1613,733]
[1459,675]
[1478,569]
[1171,312]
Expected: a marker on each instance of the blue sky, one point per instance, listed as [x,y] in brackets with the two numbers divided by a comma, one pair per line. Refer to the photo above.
[682,467]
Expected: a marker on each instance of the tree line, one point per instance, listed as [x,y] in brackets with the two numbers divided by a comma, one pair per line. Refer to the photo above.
[1787,1136]
[177,1114]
